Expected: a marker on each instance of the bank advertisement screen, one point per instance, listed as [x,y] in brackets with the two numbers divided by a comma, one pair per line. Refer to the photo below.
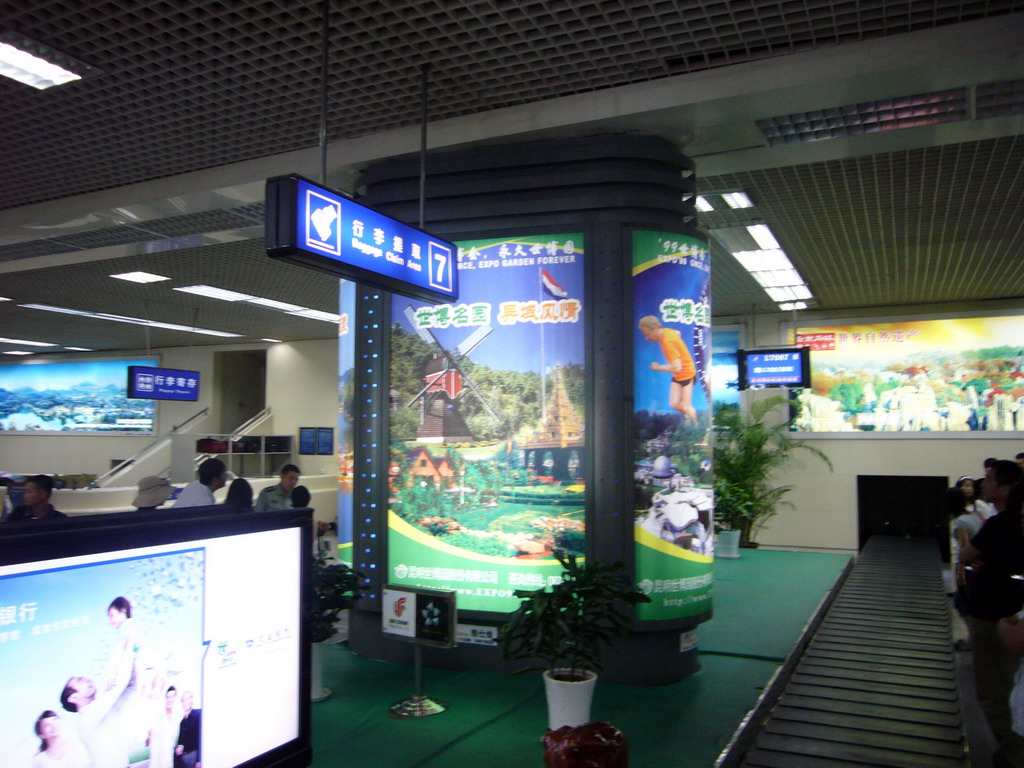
[487,424]
[131,657]
[673,516]
[943,375]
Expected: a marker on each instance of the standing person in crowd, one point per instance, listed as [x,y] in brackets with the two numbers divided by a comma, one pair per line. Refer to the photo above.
[37,506]
[199,493]
[153,491]
[996,554]
[989,465]
[969,514]
[239,495]
[279,496]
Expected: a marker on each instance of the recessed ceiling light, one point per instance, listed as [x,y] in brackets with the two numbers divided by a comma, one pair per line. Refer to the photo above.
[4,298]
[215,293]
[763,236]
[37,65]
[140,277]
[793,305]
[316,314]
[24,343]
[279,305]
[737,200]
[17,352]
[133,320]
[703,205]
[272,341]
[757,261]
[62,310]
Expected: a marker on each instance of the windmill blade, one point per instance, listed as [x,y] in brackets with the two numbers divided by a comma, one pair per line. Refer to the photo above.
[421,332]
[419,394]
[479,395]
[472,341]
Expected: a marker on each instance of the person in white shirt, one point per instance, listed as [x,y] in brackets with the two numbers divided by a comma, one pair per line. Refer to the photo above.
[199,493]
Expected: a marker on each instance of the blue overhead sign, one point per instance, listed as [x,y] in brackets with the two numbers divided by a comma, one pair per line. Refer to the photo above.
[321,228]
[147,383]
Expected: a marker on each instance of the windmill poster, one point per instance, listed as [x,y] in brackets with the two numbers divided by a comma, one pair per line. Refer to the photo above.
[487,424]
[673,518]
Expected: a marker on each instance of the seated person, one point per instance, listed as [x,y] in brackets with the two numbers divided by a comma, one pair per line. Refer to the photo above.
[239,495]
[199,493]
[36,506]
[153,491]
[279,496]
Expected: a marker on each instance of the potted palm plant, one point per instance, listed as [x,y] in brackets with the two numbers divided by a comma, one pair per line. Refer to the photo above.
[748,450]
[565,628]
[335,588]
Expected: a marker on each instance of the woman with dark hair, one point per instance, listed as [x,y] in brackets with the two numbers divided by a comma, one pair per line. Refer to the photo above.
[56,751]
[239,495]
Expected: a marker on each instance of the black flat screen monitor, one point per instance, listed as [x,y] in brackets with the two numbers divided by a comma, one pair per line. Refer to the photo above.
[774,367]
[113,624]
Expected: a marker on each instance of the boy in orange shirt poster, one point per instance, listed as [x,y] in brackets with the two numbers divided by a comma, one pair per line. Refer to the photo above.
[678,362]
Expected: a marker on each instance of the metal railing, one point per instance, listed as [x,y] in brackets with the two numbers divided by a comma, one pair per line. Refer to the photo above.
[157,445]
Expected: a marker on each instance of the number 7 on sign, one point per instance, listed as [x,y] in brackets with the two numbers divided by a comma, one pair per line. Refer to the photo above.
[439,267]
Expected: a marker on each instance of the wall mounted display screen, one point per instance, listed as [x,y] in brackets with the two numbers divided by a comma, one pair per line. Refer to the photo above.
[77,396]
[325,441]
[96,636]
[673,524]
[149,383]
[307,441]
[725,374]
[487,424]
[324,229]
[777,367]
[945,375]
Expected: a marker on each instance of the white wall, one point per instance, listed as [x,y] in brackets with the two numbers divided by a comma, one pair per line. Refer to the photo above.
[825,504]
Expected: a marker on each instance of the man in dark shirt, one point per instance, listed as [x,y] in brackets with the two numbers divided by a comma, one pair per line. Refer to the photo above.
[188,754]
[37,506]
[996,554]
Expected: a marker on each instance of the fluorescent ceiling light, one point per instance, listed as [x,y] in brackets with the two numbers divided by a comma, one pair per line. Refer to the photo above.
[17,352]
[62,310]
[4,298]
[140,277]
[778,277]
[801,292]
[758,261]
[132,320]
[316,314]
[77,349]
[278,305]
[703,205]
[793,305]
[215,293]
[273,341]
[33,64]
[784,293]
[763,236]
[24,343]
[737,200]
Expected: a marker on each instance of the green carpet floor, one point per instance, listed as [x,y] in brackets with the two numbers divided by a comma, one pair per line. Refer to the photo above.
[762,602]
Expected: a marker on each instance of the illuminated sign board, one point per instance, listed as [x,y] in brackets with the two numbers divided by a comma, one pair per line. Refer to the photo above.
[147,383]
[424,616]
[774,368]
[320,228]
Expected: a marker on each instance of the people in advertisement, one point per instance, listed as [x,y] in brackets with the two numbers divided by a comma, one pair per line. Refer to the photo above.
[56,750]
[678,363]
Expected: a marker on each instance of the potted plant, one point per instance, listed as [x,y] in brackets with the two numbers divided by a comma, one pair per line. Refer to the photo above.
[747,452]
[564,627]
[334,589]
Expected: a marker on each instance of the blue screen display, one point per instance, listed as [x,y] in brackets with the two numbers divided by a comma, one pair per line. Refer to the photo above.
[162,384]
[351,240]
[776,368]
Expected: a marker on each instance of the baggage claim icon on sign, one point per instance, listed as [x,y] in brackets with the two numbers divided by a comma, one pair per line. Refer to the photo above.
[318,227]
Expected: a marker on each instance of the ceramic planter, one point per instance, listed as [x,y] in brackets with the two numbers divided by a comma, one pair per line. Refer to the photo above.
[568,701]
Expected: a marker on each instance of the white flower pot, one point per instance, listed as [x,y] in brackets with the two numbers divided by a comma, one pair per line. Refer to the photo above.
[317,692]
[568,702]
[728,544]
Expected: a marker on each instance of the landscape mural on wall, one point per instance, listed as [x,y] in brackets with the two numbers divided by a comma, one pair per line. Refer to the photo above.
[947,375]
[487,423]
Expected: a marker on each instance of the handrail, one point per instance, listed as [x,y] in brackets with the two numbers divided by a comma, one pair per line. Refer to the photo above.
[149,450]
[238,432]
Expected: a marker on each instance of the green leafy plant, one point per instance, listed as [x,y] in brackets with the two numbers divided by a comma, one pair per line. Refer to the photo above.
[565,626]
[747,453]
[335,588]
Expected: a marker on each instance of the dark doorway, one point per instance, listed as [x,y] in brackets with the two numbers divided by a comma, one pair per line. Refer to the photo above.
[241,386]
[893,505]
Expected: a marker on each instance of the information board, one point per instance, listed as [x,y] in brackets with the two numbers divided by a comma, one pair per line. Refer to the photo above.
[425,616]
[147,383]
[774,368]
[321,228]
